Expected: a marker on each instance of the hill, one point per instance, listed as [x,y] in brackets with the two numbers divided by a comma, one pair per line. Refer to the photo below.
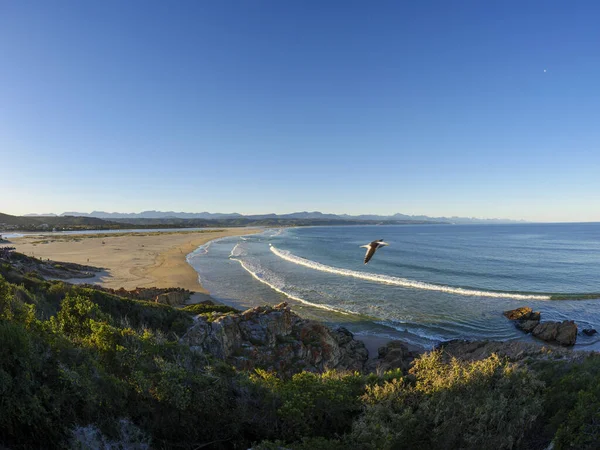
[32,223]
[302,215]
[36,223]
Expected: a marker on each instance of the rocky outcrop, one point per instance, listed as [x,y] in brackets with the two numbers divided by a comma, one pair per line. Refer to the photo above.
[513,350]
[275,338]
[563,333]
[393,355]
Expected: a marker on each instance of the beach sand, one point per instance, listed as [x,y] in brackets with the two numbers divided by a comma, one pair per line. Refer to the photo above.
[130,260]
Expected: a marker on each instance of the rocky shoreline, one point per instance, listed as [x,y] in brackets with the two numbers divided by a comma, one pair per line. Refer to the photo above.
[275,338]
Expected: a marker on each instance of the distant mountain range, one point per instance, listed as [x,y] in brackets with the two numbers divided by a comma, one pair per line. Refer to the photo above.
[304,215]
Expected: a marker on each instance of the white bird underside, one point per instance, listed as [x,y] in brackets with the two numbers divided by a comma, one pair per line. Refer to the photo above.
[372,247]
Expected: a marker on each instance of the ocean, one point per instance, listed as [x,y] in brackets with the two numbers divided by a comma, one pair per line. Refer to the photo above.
[431,284]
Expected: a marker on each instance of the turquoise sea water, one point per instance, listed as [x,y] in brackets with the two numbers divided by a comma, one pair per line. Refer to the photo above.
[432,283]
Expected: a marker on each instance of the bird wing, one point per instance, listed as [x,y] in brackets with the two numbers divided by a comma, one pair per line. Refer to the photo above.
[370,252]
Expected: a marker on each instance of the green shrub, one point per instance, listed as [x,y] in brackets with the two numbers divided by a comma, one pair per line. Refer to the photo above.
[141,314]
[571,403]
[310,404]
[201,308]
[482,404]
[29,406]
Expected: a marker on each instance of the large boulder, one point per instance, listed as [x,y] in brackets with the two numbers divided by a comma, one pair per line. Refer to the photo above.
[567,333]
[275,338]
[563,333]
[546,331]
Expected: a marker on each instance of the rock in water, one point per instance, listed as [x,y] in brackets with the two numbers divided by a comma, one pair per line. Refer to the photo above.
[563,333]
[546,331]
[589,331]
[527,325]
[525,318]
[523,313]
[567,333]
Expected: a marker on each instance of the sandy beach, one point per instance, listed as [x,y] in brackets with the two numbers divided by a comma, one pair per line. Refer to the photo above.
[130,260]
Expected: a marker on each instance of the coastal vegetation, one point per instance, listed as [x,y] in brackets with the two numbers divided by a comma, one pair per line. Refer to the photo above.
[80,364]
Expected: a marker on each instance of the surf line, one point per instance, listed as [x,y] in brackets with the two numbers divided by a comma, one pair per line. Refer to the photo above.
[287,294]
[396,281]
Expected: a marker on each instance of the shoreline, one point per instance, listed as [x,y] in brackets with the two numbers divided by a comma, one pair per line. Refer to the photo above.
[144,259]
[152,259]
[131,260]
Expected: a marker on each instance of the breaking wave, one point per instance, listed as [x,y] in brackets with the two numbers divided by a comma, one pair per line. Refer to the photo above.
[237,251]
[402,282]
[273,283]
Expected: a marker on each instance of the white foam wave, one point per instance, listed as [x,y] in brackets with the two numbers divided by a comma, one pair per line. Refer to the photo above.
[397,281]
[272,284]
[236,251]
[274,232]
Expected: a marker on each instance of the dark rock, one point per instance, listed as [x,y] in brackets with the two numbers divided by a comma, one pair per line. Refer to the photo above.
[589,331]
[546,331]
[515,351]
[563,333]
[275,338]
[567,333]
[527,325]
[523,313]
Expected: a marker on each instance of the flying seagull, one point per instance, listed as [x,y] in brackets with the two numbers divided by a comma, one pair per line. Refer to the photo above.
[372,247]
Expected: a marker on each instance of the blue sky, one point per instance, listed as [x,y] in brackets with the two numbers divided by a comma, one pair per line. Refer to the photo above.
[488,109]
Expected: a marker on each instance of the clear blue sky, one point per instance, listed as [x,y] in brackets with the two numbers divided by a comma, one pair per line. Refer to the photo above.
[488,109]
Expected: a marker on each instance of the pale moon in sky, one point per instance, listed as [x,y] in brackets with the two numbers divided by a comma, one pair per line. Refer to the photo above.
[544,70]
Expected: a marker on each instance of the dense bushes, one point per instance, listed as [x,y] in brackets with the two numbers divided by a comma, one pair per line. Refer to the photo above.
[482,404]
[72,357]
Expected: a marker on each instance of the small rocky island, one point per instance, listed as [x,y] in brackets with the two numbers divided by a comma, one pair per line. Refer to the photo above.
[529,321]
